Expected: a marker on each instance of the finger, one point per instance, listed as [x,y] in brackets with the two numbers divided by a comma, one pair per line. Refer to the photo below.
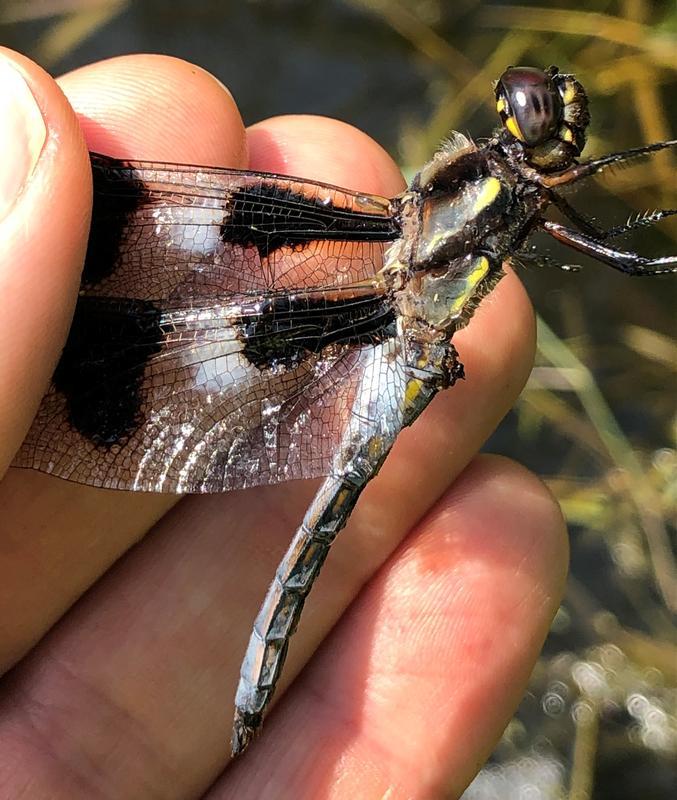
[62,535]
[213,558]
[157,108]
[411,690]
[323,149]
[45,197]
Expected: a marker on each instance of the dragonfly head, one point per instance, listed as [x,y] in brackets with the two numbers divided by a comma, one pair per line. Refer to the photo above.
[545,113]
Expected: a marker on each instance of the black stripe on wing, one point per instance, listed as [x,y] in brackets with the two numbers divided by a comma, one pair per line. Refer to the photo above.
[272,216]
[283,330]
[104,366]
[103,362]
[133,204]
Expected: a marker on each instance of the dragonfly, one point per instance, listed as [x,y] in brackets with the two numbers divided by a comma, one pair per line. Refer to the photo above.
[239,328]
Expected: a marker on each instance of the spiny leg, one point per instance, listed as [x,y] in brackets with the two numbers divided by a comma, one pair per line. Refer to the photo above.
[575,216]
[587,227]
[391,396]
[640,221]
[585,170]
[644,220]
[541,260]
[622,260]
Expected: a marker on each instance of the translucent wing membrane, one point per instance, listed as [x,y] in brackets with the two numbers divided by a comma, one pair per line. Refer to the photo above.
[171,232]
[203,356]
[203,418]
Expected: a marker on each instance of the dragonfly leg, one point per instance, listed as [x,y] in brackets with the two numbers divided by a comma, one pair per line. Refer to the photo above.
[382,407]
[623,260]
[587,227]
[641,221]
[573,215]
[645,220]
[531,258]
[588,168]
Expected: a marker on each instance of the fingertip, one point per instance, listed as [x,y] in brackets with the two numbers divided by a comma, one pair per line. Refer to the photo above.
[43,237]
[158,108]
[496,489]
[496,550]
[323,149]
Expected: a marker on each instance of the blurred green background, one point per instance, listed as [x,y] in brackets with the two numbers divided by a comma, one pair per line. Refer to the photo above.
[598,417]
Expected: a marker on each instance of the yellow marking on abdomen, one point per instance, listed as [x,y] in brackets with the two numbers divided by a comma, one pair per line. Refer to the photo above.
[414,386]
[342,497]
[375,447]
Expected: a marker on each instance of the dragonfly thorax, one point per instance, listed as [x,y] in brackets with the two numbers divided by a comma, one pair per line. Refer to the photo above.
[463,216]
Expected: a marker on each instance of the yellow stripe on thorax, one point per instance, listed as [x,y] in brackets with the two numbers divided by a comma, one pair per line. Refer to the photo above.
[477,273]
[490,190]
[566,134]
[414,386]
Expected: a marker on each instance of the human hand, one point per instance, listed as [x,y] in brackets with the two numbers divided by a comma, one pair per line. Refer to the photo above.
[420,634]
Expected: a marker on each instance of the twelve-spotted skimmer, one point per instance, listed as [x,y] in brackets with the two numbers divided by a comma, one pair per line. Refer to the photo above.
[239,328]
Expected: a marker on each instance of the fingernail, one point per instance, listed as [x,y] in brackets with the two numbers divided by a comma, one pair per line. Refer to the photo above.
[22,135]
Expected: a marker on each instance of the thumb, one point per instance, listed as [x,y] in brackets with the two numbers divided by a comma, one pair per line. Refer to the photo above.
[45,202]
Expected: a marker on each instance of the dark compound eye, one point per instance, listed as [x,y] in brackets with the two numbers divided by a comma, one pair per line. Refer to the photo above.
[529,104]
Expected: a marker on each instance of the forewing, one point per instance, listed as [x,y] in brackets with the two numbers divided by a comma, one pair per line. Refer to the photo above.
[185,233]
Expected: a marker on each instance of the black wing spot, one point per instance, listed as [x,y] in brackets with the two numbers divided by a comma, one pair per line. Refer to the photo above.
[270,216]
[287,329]
[117,195]
[102,366]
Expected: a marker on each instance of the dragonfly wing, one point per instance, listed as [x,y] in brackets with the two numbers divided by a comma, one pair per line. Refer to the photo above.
[183,233]
[202,400]
[219,334]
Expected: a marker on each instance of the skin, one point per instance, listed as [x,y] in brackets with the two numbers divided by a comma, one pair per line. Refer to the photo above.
[125,616]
